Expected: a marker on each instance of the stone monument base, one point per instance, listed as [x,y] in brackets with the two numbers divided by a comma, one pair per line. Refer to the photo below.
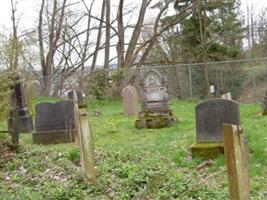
[25,124]
[153,119]
[207,150]
[54,137]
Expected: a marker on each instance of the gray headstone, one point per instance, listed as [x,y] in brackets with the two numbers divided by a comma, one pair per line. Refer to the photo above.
[155,108]
[155,92]
[55,116]
[44,117]
[210,116]
[55,122]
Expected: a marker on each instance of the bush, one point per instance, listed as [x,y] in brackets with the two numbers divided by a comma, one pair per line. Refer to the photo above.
[99,85]
[5,84]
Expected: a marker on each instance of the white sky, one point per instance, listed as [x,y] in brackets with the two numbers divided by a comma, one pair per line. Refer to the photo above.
[27,11]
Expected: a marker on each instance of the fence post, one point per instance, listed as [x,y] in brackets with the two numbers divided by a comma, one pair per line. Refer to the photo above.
[190,81]
[254,85]
[236,155]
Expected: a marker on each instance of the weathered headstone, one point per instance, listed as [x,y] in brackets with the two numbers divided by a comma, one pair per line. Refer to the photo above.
[227,96]
[210,116]
[130,100]
[264,105]
[54,123]
[155,108]
[18,102]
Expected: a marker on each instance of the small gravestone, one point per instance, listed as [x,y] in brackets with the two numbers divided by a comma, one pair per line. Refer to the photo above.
[155,108]
[130,99]
[264,105]
[18,101]
[210,117]
[54,123]
[227,96]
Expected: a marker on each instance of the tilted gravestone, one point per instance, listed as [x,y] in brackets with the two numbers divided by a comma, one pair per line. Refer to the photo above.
[55,122]
[155,108]
[210,117]
[264,105]
[130,100]
[18,101]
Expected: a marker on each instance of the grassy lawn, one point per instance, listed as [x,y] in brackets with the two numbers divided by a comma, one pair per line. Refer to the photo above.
[134,164]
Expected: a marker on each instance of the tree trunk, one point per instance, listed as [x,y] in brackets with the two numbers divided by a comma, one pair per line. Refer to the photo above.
[98,40]
[106,62]
[120,44]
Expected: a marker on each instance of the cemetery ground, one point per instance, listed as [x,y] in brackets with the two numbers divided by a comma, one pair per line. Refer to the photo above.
[132,163]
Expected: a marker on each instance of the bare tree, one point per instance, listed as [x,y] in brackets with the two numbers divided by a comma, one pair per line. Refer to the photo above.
[54,32]
[99,35]
[107,43]
[120,44]
[14,54]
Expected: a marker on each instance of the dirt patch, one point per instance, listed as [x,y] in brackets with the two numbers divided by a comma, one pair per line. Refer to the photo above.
[6,154]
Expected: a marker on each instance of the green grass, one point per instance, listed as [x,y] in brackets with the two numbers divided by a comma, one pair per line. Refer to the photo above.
[134,163]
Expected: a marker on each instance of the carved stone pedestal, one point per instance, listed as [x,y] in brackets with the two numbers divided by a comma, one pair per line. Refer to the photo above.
[155,109]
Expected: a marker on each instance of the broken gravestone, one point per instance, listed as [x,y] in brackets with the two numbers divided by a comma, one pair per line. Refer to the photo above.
[130,100]
[210,117]
[18,102]
[55,123]
[155,108]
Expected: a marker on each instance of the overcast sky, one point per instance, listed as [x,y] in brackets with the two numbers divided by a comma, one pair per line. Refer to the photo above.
[27,12]
[28,9]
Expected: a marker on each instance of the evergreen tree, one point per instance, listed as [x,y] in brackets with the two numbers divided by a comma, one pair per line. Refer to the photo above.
[221,25]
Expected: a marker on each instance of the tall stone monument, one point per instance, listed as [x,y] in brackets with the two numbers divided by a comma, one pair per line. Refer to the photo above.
[210,117]
[155,108]
[18,101]
[130,100]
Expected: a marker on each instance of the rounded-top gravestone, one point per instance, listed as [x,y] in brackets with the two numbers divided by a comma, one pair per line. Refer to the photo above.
[155,108]
[130,100]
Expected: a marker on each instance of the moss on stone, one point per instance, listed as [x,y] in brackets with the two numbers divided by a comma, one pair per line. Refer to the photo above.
[155,122]
[207,150]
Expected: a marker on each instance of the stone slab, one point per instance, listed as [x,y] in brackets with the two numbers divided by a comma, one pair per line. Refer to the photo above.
[207,150]
[55,122]
[210,116]
[54,137]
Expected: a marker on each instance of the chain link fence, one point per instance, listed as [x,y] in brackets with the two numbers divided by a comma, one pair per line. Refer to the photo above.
[246,80]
